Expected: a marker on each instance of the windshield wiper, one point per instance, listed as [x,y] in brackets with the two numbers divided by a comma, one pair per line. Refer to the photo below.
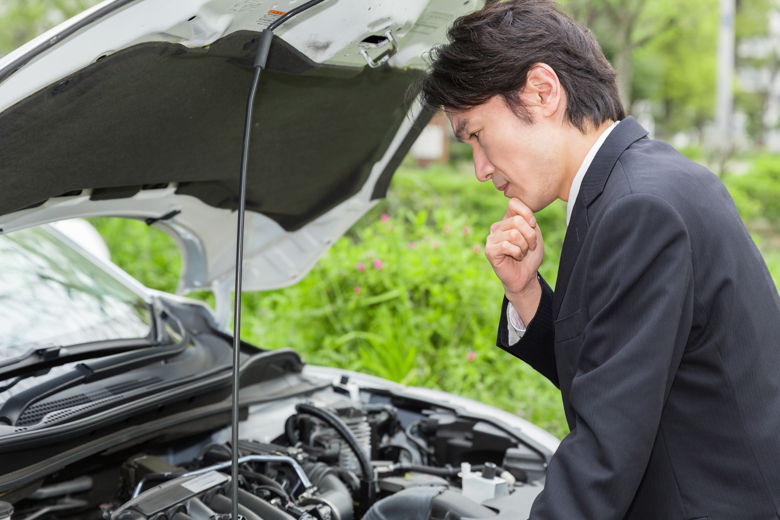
[107,365]
[37,361]
[42,359]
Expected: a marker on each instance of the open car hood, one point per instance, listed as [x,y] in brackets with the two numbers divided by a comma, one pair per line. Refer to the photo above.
[135,109]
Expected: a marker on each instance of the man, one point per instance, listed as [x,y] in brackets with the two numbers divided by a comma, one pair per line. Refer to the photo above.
[662,333]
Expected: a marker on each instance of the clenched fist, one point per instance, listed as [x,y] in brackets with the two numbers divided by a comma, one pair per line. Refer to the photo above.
[515,250]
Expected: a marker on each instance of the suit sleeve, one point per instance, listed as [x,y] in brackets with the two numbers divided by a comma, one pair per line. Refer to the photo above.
[638,315]
[536,345]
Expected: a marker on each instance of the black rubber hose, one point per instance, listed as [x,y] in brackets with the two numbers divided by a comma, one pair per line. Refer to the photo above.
[289,430]
[214,447]
[323,454]
[369,491]
[409,504]
[271,489]
[264,480]
[422,445]
[331,490]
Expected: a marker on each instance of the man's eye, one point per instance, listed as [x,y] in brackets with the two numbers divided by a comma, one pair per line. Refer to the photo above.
[475,135]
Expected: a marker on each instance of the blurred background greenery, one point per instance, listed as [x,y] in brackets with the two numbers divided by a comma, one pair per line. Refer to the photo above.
[407,294]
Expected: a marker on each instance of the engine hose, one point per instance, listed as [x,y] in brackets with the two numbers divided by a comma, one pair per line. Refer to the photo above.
[323,454]
[409,504]
[289,430]
[271,489]
[368,480]
[264,480]
[331,490]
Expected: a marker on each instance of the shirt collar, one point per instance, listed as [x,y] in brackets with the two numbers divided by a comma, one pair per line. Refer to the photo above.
[575,185]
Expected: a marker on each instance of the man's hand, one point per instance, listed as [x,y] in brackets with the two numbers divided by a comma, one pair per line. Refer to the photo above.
[515,250]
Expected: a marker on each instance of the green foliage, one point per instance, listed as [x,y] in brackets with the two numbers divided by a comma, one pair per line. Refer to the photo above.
[677,68]
[23,20]
[442,186]
[428,316]
[416,319]
[757,192]
[407,299]
[146,253]
[662,51]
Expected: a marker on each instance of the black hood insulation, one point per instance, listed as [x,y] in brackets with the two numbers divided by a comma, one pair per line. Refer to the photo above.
[159,112]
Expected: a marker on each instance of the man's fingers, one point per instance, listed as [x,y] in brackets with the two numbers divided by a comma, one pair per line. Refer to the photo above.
[496,250]
[517,207]
[519,224]
[509,243]
[512,236]
[515,235]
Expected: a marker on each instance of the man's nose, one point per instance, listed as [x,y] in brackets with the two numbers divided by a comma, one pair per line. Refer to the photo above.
[483,168]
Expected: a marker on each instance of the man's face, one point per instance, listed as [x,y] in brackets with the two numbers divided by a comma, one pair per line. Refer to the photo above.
[523,160]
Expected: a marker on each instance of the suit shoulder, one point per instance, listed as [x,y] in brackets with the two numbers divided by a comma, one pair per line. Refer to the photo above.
[656,168]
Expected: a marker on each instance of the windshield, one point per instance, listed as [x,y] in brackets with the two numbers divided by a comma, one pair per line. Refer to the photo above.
[50,294]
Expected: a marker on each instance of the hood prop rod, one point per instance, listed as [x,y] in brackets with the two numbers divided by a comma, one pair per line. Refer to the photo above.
[263,48]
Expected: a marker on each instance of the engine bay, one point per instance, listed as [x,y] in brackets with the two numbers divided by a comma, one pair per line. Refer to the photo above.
[338,457]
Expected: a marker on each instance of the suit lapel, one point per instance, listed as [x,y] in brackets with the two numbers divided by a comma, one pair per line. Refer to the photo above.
[622,136]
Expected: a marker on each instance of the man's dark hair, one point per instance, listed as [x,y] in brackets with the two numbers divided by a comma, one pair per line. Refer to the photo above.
[491,51]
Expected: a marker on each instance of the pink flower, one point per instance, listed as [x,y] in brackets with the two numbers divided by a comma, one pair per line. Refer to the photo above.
[411,245]
[361,267]
[471,356]
[466,230]
[476,249]
[357,289]
[435,244]
[385,217]
[378,264]
[446,229]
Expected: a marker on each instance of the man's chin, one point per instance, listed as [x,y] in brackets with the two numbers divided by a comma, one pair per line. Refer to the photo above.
[533,205]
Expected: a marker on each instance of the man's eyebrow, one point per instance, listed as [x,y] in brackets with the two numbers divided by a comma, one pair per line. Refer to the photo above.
[461,129]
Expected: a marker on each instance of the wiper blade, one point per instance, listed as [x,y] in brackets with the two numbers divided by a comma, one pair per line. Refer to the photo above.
[92,370]
[41,359]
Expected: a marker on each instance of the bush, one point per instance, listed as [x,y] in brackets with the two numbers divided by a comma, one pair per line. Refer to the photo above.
[409,297]
[757,192]
[146,253]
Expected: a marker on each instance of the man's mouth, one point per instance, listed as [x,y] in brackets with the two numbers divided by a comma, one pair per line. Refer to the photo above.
[503,187]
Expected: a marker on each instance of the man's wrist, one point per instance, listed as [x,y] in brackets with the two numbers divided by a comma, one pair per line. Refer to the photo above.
[526,301]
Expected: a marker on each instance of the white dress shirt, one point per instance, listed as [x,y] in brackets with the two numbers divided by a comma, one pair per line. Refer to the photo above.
[516,326]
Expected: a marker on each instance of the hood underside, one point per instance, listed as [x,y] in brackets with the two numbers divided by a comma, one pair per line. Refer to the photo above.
[154,130]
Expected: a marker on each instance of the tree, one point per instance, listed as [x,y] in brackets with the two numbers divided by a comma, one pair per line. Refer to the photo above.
[758,63]
[625,27]
[677,70]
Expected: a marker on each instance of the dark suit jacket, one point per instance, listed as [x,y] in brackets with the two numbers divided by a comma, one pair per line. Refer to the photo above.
[663,335]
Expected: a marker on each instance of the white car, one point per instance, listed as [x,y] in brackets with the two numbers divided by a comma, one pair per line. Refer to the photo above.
[115,400]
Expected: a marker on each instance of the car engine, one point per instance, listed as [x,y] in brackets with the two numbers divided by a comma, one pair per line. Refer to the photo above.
[379,460]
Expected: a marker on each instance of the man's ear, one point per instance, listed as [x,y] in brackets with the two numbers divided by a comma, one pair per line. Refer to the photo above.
[543,90]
